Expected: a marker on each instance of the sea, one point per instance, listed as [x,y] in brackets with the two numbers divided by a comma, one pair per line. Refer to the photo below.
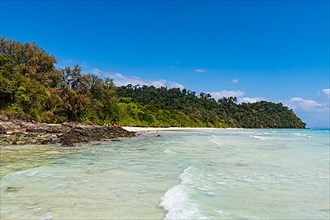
[187,174]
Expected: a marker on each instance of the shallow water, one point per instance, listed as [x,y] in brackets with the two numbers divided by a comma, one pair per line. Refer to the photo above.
[200,174]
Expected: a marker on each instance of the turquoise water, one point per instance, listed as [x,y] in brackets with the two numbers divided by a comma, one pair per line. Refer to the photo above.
[198,174]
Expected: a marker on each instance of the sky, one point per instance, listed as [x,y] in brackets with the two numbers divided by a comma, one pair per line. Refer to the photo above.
[255,50]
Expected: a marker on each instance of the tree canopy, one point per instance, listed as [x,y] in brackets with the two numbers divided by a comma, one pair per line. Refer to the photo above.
[31,86]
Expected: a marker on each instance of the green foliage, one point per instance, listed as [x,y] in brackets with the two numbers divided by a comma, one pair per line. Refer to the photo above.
[31,86]
[185,108]
[33,62]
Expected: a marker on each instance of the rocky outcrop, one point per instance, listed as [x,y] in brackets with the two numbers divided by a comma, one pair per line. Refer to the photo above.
[17,131]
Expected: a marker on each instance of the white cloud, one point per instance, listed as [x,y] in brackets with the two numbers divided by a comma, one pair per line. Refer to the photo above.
[235,81]
[326,91]
[305,103]
[121,80]
[96,72]
[251,100]
[227,93]
[314,113]
[200,70]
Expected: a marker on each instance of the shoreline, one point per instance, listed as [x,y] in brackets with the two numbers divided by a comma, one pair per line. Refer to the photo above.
[156,129]
[15,131]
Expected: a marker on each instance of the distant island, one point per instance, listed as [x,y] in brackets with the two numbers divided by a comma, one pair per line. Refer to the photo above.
[33,88]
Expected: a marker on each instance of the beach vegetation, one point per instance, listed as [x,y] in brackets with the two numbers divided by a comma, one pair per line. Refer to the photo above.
[31,86]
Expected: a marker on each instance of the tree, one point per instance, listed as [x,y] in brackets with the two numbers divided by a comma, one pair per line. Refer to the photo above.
[31,86]
[32,61]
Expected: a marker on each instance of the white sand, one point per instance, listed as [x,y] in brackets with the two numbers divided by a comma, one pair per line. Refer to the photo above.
[155,129]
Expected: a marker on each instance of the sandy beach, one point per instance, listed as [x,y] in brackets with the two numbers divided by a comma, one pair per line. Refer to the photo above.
[156,129]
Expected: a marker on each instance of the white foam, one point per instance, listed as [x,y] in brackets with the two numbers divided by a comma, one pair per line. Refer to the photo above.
[299,134]
[212,139]
[258,137]
[33,173]
[176,201]
[168,151]
[29,172]
[221,183]
[47,216]
[234,128]
[219,212]
[37,209]
[186,176]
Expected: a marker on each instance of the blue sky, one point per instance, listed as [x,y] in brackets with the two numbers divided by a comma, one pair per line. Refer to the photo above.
[271,50]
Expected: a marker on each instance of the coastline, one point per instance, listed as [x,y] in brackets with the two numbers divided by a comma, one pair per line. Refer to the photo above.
[17,131]
[163,175]
[156,129]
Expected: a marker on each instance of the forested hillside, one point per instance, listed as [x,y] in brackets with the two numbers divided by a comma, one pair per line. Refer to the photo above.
[31,86]
[203,110]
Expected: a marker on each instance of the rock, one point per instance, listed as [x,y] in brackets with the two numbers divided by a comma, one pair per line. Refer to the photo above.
[67,143]
[12,189]
[39,130]
[20,142]
[15,130]
[3,117]
[2,130]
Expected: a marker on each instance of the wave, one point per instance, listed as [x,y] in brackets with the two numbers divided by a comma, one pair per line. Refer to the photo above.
[30,172]
[213,140]
[299,134]
[168,151]
[235,128]
[176,201]
[258,137]
[47,216]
